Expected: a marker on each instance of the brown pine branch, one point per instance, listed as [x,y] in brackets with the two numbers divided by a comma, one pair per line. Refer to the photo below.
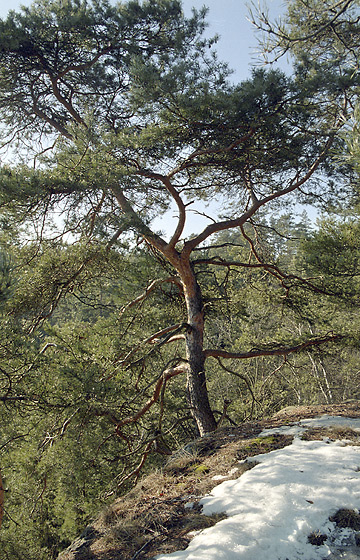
[271,268]
[293,185]
[211,151]
[164,377]
[134,221]
[277,272]
[278,351]
[149,289]
[177,199]
[153,339]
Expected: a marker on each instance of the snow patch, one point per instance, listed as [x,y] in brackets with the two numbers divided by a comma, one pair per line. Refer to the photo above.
[274,507]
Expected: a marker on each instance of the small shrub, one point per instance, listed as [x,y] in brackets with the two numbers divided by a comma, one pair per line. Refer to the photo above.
[316,538]
[346,518]
[201,469]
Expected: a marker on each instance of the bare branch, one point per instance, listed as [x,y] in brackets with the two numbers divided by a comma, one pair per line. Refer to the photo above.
[177,199]
[85,65]
[241,376]
[114,238]
[219,261]
[175,338]
[150,288]
[63,289]
[295,184]
[277,351]
[165,376]
[136,222]
[303,38]
[136,472]
[210,151]
[277,272]
[274,372]
[153,339]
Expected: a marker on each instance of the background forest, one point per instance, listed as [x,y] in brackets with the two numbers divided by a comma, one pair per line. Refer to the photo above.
[120,343]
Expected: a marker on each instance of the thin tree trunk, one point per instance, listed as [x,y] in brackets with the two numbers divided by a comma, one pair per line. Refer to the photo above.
[1,500]
[196,380]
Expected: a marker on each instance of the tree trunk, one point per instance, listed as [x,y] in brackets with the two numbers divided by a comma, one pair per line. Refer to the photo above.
[196,381]
[1,500]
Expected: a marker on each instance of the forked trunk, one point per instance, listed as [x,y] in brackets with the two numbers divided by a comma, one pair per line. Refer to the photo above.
[196,380]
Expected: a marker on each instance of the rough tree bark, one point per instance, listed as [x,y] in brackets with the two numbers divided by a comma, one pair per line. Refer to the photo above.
[1,500]
[197,393]
[196,380]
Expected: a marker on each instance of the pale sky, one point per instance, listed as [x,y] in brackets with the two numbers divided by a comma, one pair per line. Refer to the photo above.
[238,42]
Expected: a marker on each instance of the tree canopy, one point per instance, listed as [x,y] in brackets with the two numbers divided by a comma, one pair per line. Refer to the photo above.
[135,115]
[112,115]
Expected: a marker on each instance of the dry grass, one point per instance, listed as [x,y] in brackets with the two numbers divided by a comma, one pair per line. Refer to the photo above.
[343,518]
[155,517]
[162,512]
[316,538]
[352,437]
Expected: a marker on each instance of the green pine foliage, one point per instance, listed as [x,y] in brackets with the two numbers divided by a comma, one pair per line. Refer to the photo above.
[125,110]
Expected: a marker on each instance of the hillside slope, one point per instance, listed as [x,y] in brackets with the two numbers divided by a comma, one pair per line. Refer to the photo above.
[162,513]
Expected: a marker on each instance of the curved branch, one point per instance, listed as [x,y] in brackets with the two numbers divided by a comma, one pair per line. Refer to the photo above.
[153,339]
[182,213]
[210,151]
[165,376]
[95,210]
[39,113]
[278,351]
[63,289]
[136,472]
[276,271]
[148,290]
[219,261]
[296,183]
[177,199]
[243,378]
[68,106]
[134,221]
[274,372]
[175,338]
[281,34]
[85,65]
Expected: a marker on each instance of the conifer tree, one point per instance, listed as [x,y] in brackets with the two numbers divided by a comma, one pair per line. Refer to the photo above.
[125,111]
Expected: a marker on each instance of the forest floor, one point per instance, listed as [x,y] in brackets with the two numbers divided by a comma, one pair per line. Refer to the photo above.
[165,510]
